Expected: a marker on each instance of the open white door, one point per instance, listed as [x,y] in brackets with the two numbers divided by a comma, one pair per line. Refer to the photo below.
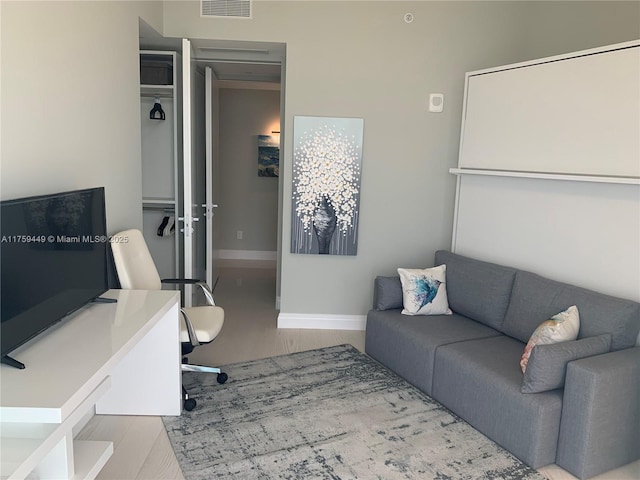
[189,217]
[195,177]
[209,206]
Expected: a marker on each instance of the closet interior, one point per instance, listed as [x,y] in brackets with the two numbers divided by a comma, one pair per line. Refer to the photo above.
[159,113]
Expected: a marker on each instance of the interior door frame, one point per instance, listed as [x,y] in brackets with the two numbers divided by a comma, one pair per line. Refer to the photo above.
[209,206]
[210,274]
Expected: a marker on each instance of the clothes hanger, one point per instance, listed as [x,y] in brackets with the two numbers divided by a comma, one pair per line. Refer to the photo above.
[157,108]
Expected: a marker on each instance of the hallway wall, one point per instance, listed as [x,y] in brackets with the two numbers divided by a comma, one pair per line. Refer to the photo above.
[247,202]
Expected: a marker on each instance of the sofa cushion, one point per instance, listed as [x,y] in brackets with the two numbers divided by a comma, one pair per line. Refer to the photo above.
[387,293]
[562,327]
[477,289]
[535,298]
[407,344]
[480,381]
[547,366]
[424,291]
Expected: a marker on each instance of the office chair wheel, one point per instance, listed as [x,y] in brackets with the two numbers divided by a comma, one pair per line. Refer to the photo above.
[222,377]
[189,404]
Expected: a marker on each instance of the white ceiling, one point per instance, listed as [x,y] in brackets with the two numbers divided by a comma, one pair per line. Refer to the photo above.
[230,60]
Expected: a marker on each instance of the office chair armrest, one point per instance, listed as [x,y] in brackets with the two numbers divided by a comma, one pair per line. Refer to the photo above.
[193,338]
[206,290]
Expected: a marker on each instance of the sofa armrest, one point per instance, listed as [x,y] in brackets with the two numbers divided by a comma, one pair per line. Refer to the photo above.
[600,424]
[387,293]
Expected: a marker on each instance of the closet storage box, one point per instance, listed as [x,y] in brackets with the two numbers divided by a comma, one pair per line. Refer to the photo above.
[156,70]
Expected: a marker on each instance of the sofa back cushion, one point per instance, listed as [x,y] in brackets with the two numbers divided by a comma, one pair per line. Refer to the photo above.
[535,299]
[476,289]
[387,293]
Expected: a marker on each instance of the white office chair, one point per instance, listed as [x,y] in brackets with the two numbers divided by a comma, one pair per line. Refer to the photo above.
[137,271]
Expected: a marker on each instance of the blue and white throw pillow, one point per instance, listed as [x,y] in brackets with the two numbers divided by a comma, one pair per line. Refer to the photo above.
[424,291]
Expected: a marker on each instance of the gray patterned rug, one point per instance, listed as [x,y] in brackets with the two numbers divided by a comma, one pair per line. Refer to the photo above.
[332,413]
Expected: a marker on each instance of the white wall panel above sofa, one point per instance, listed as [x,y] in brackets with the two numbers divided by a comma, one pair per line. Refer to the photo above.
[587,234]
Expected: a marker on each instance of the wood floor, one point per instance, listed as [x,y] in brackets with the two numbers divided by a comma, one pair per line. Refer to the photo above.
[141,446]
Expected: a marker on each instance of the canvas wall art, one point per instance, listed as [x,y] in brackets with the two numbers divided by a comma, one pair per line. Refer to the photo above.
[327,162]
[268,156]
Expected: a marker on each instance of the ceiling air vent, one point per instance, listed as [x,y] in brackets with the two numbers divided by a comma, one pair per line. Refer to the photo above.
[226,8]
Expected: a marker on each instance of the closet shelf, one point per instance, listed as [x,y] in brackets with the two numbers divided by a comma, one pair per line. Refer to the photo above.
[158,202]
[547,176]
[157,90]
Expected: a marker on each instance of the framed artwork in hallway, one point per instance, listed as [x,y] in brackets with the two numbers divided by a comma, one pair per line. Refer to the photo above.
[268,156]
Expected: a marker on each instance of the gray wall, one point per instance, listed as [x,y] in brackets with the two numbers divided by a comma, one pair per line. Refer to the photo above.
[71,101]
[554,28]
[359,59]
[246,202]
[70,106]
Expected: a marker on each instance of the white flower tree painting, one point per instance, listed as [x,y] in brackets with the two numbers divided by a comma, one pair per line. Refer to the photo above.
[327,160]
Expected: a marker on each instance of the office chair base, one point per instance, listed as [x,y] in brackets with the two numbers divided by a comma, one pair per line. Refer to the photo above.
[187,403]
[222,377]
[187,367]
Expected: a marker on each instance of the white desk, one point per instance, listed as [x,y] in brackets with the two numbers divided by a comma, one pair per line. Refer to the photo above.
[120,358]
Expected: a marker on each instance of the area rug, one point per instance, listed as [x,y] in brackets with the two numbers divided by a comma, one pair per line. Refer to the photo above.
[332,413]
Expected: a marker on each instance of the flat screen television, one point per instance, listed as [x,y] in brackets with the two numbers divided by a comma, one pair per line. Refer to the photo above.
[53,260]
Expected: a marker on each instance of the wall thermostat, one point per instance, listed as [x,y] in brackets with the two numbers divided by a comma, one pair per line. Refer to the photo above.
[436,102]
[408,17]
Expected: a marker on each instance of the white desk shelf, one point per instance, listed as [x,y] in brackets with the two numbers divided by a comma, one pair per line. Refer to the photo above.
[105,359]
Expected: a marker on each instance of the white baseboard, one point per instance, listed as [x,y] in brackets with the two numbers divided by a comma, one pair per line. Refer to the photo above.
[322,321]
[245,255]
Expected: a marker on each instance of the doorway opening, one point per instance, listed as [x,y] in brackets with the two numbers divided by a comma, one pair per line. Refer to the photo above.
[244,107]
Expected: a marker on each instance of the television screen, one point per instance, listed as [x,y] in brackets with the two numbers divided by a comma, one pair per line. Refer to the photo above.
[53,260]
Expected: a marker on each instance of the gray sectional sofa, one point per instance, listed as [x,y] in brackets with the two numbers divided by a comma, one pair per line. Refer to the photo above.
[585,414]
